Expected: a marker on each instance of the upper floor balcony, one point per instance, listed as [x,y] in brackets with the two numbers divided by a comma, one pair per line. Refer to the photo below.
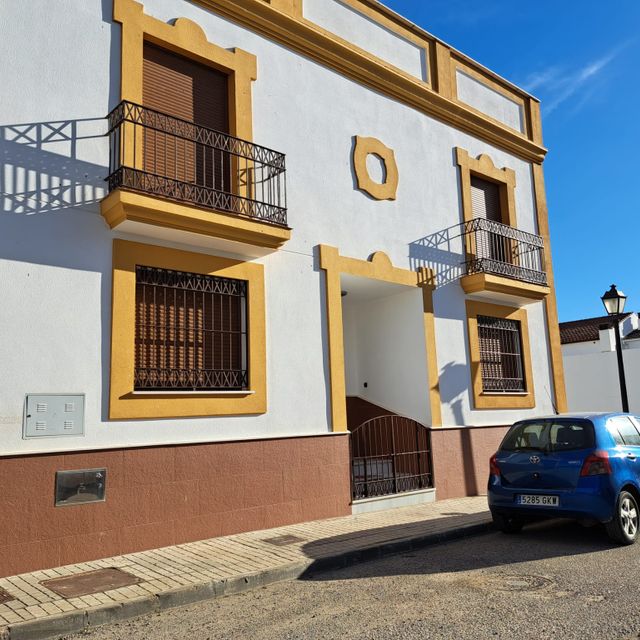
[503,261]
[170,173]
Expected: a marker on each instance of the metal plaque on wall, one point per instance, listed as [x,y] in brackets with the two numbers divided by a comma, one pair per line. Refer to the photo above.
[80,486]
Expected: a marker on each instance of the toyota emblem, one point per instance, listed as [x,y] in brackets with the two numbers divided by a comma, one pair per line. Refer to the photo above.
[534,459]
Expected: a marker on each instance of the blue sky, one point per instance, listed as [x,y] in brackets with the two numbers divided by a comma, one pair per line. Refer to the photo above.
[581,58]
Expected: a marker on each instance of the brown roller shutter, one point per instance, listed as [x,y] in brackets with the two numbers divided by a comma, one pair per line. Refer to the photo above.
[184,89]
[485,203]
[191,330]
[485,199]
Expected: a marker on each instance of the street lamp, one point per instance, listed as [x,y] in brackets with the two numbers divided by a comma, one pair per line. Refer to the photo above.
[613,301]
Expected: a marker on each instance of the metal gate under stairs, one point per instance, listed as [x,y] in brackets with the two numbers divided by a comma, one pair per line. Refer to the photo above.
[390,454]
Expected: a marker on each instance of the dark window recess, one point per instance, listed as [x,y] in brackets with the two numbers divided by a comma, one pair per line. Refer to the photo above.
[191,331]
[501,364]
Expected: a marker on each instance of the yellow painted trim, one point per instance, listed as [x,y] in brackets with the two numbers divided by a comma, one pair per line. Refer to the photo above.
[444,75]
[378,267]
[478,282]
[484,168]
[123,403]
[120,206]
[482,400]
[372,146]
[491,83]
[188,39]
[550,305]
[292,7]
[336,53]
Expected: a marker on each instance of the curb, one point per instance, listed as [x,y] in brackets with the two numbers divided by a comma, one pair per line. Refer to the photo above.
[79,621]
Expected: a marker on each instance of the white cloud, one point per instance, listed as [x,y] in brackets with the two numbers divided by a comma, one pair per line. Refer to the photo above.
[558,85]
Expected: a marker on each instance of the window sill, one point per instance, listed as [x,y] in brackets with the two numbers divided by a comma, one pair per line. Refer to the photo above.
[246,392]
[503,394]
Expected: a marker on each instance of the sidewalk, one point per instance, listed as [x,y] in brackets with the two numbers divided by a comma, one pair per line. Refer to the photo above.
[175,576]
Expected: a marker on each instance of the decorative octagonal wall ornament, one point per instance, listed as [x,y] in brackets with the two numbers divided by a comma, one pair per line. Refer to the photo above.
[380,191]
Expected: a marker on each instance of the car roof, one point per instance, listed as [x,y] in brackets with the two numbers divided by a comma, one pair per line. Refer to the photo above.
[584,415]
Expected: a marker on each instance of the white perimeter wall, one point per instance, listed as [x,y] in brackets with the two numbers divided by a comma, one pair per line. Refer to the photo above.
[592,381]
[55,249]
[385,347]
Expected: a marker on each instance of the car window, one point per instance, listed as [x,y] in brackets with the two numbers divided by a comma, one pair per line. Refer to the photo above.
[626,429]
[615,434]
[551,435]
[525,436]
[570,436]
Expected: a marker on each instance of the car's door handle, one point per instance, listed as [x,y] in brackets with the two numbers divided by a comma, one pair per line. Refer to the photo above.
[631,456]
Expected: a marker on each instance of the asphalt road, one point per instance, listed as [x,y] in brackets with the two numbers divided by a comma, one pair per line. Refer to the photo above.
[555,580]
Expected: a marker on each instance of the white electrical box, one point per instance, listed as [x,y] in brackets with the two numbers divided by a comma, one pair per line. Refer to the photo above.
[54,415]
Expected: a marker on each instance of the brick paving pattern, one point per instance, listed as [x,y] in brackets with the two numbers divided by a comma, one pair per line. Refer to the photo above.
[169,568]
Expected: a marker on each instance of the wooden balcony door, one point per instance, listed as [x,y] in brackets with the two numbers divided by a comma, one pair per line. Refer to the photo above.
[181,88]
[486,204]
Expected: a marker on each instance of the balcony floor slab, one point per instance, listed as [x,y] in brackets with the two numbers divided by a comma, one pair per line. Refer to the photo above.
[162,219]
[489,286]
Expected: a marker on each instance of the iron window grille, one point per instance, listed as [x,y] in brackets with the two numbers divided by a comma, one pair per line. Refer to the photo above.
[501,362]
[191,332]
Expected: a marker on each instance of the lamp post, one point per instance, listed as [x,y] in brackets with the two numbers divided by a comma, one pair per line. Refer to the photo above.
[613,301]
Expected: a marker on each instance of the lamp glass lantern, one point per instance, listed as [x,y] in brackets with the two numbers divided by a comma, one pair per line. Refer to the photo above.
[614,301]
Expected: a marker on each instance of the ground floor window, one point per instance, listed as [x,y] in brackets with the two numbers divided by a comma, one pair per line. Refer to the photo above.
[500,356]
[188,334]
[501,364]
[191,331]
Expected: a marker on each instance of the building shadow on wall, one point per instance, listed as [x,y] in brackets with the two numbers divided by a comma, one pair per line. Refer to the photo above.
[443,252]
[454,384]
[52,178]
[40,169]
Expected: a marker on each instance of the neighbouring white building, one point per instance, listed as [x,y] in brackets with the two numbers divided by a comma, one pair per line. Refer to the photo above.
[237,238]
[591,363]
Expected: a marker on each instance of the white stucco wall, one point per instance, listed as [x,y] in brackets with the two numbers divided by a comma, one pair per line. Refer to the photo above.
[355,27]
[55,250]
[591,370]
[483,98]
[592,380]
[385,348]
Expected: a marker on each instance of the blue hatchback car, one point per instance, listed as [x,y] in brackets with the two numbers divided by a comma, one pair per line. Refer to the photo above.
[581,466]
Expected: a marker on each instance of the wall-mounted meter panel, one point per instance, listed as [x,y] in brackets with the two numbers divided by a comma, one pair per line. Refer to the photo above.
[55,415]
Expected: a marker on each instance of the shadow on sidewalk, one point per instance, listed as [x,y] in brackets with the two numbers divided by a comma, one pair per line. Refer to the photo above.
[539,541]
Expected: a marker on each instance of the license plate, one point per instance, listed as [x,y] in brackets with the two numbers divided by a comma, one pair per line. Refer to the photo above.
[539,501]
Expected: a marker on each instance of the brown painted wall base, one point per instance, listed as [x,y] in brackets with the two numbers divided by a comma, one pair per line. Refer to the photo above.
[168,495]
[461,459]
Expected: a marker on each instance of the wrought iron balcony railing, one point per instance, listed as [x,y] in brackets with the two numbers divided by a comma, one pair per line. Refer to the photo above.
[160,155]
[493,247]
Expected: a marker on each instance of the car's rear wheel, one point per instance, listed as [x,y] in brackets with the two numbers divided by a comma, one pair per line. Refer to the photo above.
[507,524]
[623,528]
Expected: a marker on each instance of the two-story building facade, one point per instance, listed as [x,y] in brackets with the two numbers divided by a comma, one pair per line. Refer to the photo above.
[301,268]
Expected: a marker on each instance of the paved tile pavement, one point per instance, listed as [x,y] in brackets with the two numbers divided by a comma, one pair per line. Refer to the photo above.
[222,561]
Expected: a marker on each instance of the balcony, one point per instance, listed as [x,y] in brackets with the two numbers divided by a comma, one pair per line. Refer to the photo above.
[170,174]
[502,261]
